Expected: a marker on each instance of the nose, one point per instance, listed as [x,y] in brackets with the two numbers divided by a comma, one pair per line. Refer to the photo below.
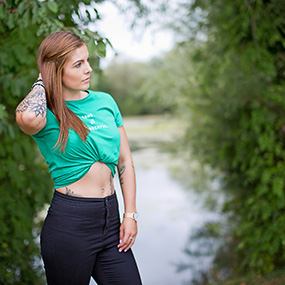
[89,68]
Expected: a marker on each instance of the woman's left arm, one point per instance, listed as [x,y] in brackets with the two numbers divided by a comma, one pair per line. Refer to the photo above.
[128,228]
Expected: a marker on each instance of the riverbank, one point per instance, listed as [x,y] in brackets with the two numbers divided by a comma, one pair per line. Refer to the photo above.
[168,212]
[153,130]
[274,278]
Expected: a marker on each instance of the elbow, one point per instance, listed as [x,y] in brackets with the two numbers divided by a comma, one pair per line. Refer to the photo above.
[18,118]
[31,120]
[28,117]
[29,123]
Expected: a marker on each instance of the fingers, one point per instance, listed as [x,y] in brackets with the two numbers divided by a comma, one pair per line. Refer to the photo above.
[128,232]
[126,243]
[132,241]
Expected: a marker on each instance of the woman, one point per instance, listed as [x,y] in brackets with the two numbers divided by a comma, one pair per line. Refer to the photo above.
[80,134]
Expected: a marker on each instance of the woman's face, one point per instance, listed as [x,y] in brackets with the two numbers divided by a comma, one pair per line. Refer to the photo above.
[77,71]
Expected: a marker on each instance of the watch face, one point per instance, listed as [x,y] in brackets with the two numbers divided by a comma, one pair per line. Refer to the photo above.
[136,215]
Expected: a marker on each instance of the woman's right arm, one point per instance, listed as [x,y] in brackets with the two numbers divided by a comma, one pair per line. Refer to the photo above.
[31,112]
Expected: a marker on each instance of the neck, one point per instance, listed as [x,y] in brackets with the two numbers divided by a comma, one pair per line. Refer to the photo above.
[70,94]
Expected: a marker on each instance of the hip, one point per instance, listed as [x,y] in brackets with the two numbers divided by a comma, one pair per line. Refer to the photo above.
[80,221]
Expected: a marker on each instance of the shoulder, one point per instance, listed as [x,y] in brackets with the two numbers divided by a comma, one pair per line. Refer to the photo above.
[103,96]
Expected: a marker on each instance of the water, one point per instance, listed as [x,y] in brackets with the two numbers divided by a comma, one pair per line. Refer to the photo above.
[168,213]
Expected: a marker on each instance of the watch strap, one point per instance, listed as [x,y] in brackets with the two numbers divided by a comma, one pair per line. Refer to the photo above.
[132,215]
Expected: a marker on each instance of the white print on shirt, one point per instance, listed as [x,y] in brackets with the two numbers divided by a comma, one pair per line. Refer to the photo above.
[90,119]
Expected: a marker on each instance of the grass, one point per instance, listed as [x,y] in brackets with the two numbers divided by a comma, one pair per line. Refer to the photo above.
[274,278]
[148,131]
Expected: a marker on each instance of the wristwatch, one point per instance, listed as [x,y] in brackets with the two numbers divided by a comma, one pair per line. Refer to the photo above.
[132,215]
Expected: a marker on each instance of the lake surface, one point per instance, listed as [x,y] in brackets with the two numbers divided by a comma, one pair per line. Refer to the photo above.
[168,212]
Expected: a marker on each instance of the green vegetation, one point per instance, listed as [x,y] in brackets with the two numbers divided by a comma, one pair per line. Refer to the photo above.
[25,185]
[234,96]
[139,88]
[226,79]
[275,278]
[238,111]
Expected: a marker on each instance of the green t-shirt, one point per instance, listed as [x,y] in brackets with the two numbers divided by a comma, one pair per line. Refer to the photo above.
[100,113]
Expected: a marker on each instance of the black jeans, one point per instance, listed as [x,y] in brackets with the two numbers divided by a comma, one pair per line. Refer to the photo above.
[79,239]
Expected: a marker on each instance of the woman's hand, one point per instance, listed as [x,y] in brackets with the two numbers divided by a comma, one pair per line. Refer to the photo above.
[128,232]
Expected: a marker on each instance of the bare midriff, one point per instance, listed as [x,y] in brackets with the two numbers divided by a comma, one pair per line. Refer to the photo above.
[96,183]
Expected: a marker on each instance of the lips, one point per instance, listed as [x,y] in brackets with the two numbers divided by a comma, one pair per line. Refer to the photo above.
[87,79]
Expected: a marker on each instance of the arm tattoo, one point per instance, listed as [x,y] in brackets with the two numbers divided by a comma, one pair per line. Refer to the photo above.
[121,171]
[35,102]
[133,166]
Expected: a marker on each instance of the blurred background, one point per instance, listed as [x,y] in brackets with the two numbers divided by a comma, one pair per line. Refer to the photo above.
[201,86]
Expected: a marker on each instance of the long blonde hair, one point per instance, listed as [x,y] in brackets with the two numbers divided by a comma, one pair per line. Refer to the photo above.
[52,55]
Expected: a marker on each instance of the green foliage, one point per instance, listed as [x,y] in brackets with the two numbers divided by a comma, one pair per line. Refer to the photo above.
[151,87]
[132,84]
[25,184]
[237,116]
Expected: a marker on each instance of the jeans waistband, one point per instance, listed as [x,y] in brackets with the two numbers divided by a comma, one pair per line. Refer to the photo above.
[60,195]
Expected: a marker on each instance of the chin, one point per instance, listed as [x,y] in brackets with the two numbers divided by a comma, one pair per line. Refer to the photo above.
[85,85]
